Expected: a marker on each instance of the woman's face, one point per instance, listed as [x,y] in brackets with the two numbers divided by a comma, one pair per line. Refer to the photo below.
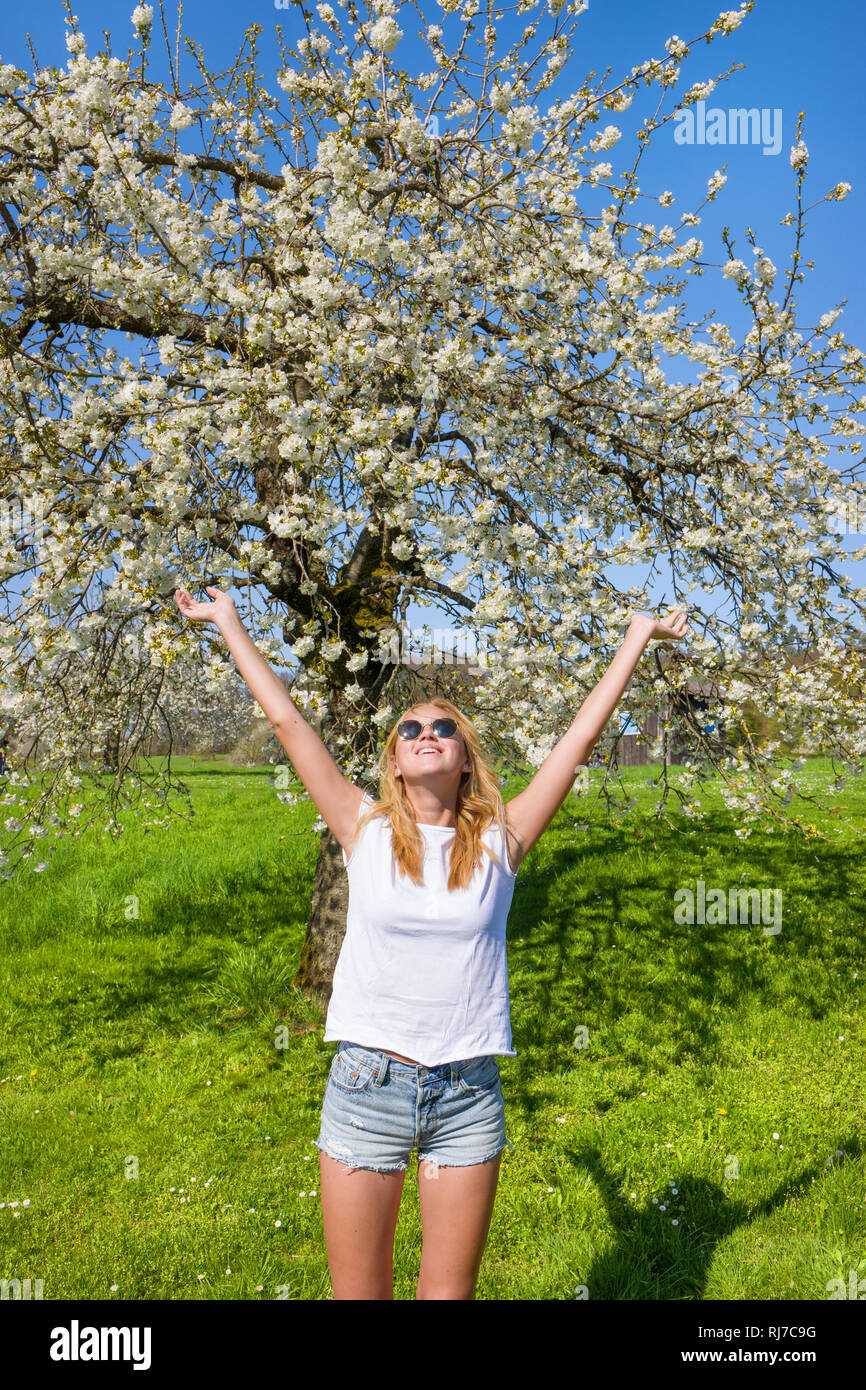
[429,758]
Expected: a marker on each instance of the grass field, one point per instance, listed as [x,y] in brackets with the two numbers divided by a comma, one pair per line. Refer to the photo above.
[686,1106]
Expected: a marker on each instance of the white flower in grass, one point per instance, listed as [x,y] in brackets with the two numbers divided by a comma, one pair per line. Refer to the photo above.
[278,1223]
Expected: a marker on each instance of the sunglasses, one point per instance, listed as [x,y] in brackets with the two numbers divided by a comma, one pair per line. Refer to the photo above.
[411,728]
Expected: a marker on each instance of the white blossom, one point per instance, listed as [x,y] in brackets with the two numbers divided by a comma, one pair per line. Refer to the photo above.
[735,270]
[729,20]
[181,116]
[501,96]
[142,17]
[385,34]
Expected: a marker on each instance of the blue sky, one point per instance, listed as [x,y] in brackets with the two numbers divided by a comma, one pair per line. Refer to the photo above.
[796,56]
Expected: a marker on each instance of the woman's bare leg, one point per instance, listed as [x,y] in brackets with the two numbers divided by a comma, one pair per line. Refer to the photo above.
[359,1214]
[456,1211]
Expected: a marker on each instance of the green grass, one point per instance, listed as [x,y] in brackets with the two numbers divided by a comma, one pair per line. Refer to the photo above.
[159,1134]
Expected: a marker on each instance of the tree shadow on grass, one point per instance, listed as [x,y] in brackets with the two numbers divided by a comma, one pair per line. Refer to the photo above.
[653,1259]
[155,994]
[580,959]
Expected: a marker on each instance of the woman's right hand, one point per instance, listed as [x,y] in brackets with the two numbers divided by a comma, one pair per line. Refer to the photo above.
[222,607]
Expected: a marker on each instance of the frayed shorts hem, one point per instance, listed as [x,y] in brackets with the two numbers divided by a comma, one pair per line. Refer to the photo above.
[422,1158]
[350,1162]
[470,1162]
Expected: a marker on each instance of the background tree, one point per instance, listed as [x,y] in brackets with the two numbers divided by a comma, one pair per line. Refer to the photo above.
[200,714]
[401,340]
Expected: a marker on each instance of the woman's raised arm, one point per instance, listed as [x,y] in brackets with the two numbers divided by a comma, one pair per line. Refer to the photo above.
[529,813]
[337,799]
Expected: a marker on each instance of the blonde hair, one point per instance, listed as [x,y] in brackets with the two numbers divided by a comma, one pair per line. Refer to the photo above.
[479,804]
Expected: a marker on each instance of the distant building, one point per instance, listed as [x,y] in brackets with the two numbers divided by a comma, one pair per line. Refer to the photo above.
[700,702]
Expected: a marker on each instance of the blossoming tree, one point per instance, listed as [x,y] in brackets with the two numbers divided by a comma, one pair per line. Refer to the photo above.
[401,337]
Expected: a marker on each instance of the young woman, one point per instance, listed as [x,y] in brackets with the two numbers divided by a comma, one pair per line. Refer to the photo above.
[420,1005]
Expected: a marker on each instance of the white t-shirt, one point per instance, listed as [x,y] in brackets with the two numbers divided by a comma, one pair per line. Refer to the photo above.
[423,971]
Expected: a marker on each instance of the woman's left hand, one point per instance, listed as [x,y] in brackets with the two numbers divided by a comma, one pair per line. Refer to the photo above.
[673,629]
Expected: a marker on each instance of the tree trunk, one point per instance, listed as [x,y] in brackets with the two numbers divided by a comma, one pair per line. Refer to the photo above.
[111,751]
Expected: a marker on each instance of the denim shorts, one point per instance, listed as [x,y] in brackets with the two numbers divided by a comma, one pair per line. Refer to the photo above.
[377,1110]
